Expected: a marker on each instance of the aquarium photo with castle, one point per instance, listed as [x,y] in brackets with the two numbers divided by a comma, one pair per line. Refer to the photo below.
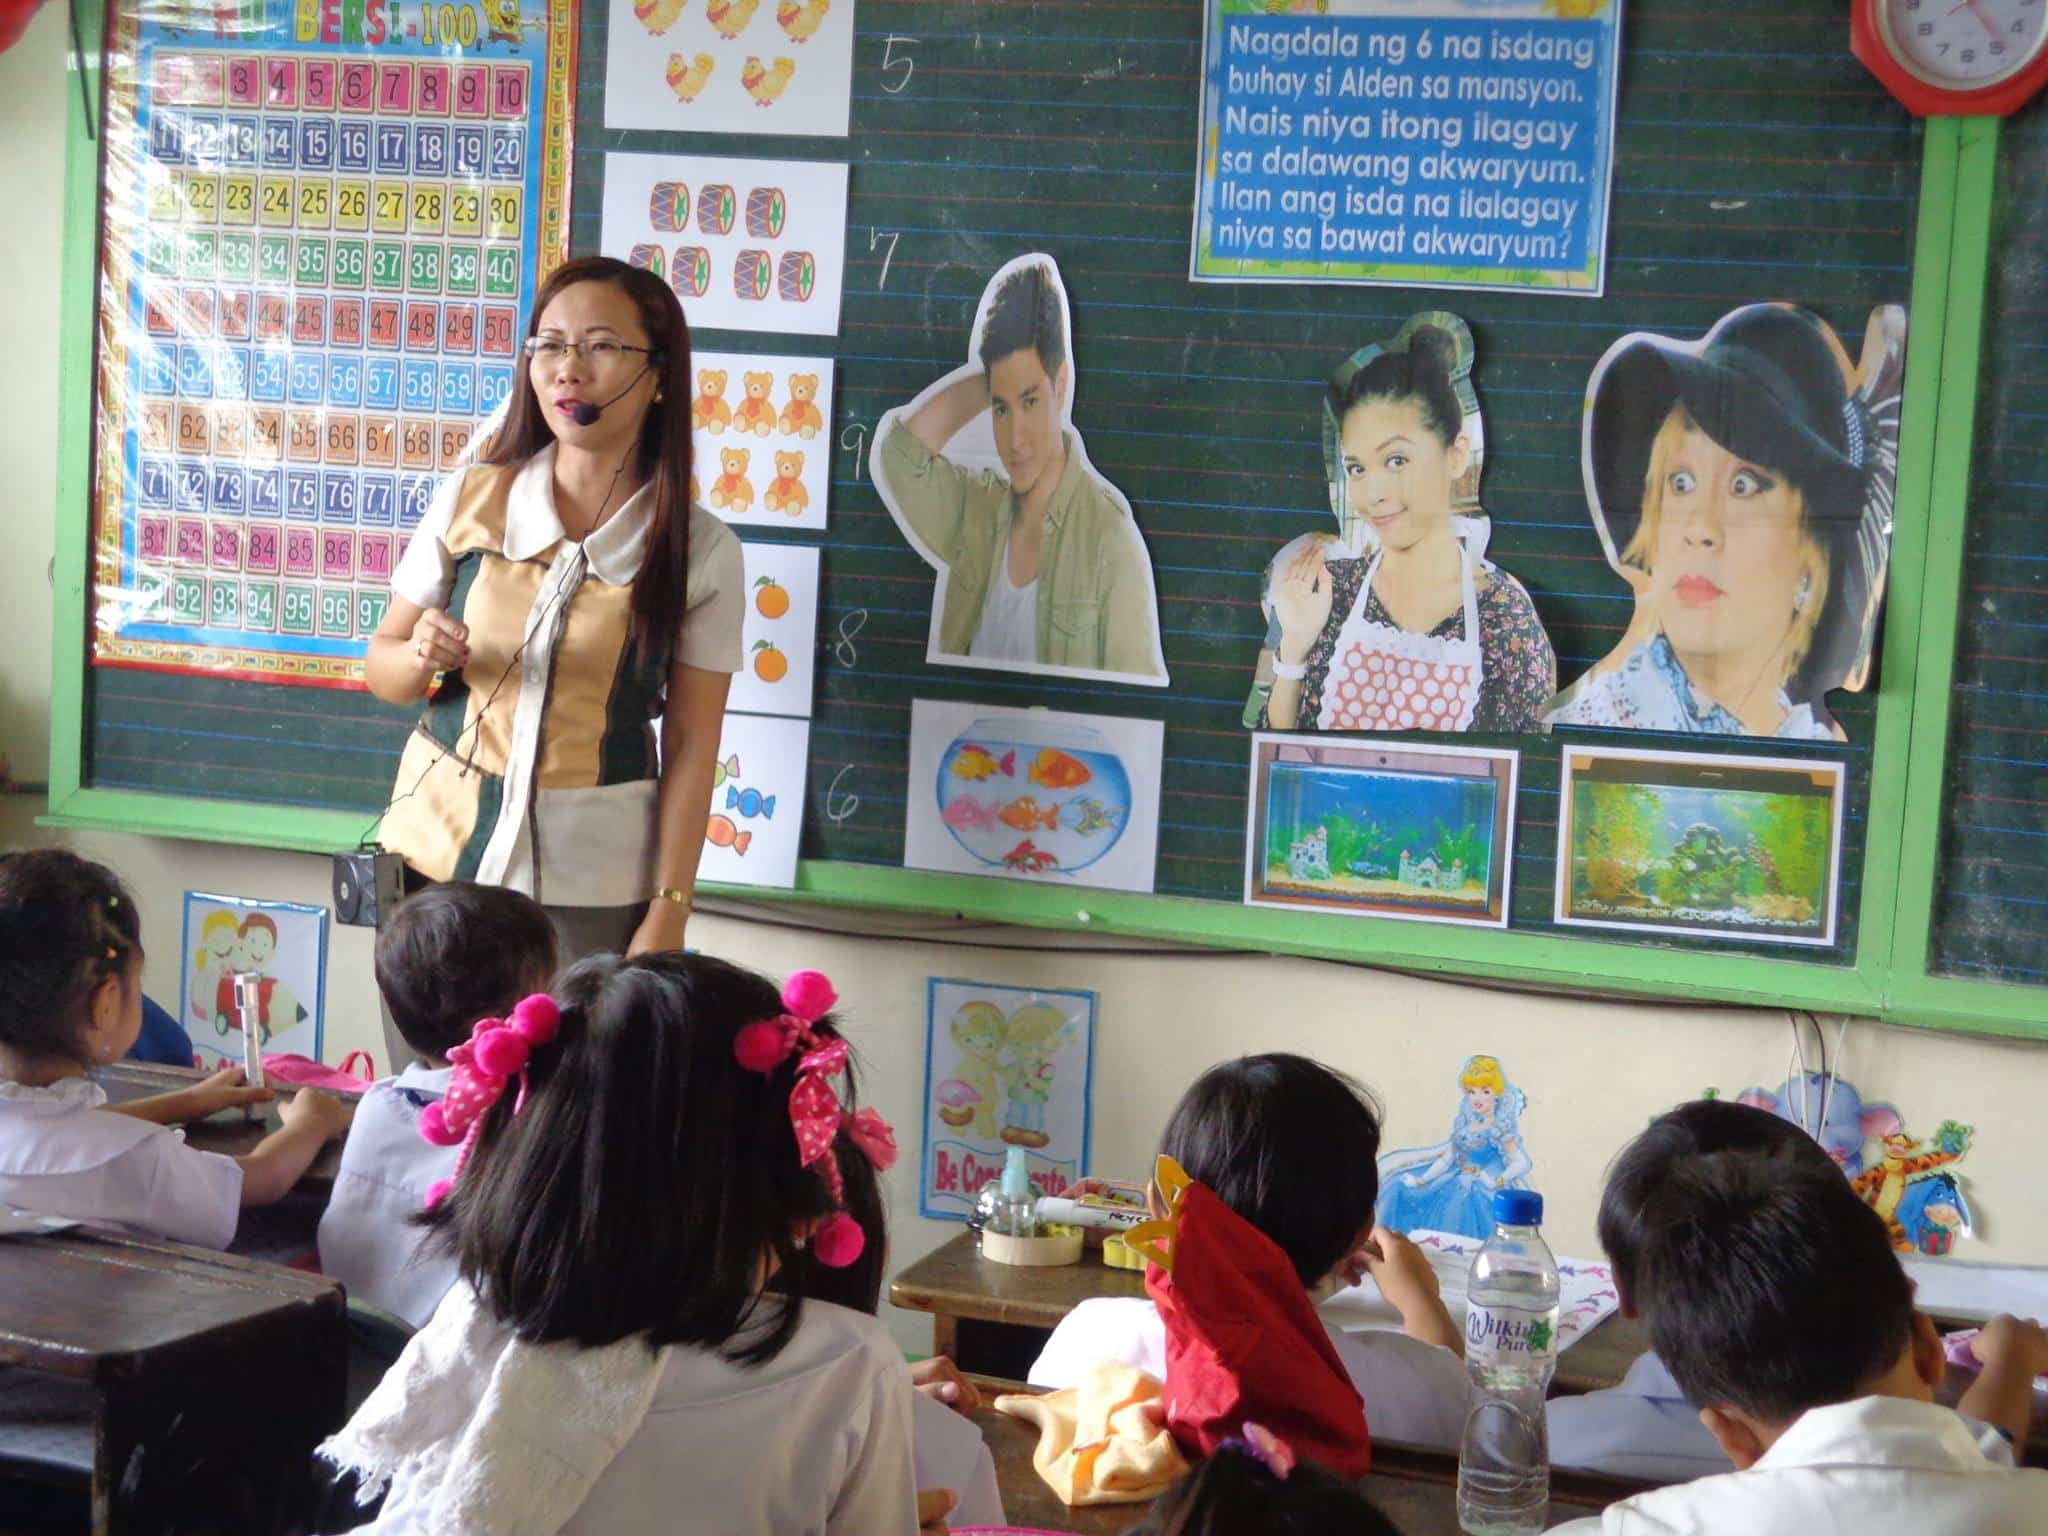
[1718,847]
[1415,832]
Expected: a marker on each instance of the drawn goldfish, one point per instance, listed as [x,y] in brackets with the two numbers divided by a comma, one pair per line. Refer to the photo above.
[1026,814]
[1092,816]
[1028,858]
[729,769]
[1059,770]
[721,833]
[976,763]
[968,814]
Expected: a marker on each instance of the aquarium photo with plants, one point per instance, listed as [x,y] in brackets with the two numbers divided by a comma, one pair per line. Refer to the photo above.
[1723,847]
[1402,831]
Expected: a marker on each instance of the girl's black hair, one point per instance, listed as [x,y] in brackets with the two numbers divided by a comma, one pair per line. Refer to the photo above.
[67,925]
[649,1175]
[857,1285]
[1233,1493]
[458,952]
[1289,1145]
[1420,374]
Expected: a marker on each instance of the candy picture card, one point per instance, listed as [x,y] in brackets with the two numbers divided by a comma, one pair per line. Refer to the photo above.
[761,438]
[781,633]
[730,66]
[747,245]
[757,802]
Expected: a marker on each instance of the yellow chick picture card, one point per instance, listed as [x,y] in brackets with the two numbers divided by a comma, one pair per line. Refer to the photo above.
[760,438]
[281,945]
[780,635]
[1003,1067]
[747,245]
[730,66]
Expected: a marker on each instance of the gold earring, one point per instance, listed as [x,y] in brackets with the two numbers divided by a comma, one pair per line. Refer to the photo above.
[659,397]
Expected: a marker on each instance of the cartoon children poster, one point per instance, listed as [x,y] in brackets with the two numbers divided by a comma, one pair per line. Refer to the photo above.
[283,945]
[1449,1187]
[1004,1067]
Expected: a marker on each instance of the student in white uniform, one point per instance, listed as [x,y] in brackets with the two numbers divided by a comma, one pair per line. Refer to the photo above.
[1773,1294]
[1644,1428]
[1290,1146]
[652,1153]
[70,1002]
[451,955]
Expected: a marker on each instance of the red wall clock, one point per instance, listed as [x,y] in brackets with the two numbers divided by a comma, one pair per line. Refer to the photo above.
[1942,59]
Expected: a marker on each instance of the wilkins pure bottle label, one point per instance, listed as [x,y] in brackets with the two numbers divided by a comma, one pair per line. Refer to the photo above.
[1511,1335]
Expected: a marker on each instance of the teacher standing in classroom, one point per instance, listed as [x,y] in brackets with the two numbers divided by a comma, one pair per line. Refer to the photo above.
[571,599]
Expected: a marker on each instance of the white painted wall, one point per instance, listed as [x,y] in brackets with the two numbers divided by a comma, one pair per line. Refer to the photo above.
[1593,1071]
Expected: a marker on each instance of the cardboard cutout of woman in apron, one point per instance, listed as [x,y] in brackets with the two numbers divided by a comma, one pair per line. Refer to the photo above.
[1400,623]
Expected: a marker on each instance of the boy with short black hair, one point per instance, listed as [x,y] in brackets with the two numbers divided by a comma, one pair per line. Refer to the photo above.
[1644,1428]
[1774,1296]
[452,954]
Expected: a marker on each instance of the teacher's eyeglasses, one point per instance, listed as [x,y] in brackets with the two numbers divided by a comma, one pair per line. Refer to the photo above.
[549,349]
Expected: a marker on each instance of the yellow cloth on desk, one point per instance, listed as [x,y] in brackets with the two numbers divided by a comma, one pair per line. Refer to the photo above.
[1104,1441]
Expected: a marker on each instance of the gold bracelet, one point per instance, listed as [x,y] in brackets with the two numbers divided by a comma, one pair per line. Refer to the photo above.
[670,893]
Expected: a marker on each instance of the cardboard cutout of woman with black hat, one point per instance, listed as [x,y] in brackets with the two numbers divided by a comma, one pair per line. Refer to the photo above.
[1401,622]
[1742,485]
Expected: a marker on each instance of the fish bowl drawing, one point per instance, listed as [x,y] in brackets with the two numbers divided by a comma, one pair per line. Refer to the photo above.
[1031,797]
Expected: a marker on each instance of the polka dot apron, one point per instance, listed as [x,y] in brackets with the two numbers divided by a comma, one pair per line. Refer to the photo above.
[1386,679]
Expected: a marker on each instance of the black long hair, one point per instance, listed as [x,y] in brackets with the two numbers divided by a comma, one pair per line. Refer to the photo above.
[1420,373]
[1233,1493]
[659,592]
[649,1176]
[67,925]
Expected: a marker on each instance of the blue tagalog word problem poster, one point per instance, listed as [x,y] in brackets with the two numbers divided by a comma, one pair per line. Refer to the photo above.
[1433,143]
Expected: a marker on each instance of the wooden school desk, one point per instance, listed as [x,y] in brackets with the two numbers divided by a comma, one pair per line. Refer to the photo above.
[1416,1488]
[211,1377]
[995,1317]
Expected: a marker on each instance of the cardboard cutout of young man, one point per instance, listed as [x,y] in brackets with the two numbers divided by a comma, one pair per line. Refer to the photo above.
[1041,567]
[1742,485]
[1400,622]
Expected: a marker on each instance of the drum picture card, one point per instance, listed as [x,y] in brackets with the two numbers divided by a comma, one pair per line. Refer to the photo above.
[1401,622]
[781,631]
[730,66]
[1421,833]
[757,802]
[761,438]
[1033,794]
[282,945]
[1003,1067]
[747,245]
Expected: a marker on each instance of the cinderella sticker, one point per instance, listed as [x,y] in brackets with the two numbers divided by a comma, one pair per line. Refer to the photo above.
[1742,486]
[1400,622]
[1449,1187]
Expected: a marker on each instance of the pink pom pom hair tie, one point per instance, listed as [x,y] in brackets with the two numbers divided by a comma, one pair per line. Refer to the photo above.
[816,1116]
[496,1051]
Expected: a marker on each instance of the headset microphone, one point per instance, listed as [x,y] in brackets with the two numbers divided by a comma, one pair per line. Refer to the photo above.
[586,414]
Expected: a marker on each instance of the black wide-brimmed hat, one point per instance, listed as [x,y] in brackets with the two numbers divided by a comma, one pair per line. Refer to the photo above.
[1767,383]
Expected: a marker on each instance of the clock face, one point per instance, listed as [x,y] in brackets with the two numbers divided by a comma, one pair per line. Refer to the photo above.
[1964,47]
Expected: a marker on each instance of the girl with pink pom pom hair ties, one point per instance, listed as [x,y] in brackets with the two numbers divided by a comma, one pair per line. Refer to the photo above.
[646,1209]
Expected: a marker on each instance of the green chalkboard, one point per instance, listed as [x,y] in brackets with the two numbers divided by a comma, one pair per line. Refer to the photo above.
[1991,913]
[1756,160]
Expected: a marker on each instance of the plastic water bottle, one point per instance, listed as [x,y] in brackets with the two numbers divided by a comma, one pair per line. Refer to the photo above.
[1511,1351]
[1009,1206]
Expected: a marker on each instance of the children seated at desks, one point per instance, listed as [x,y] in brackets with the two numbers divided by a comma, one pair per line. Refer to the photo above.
[71,1001]
[1289,1146]
[1774,1296]
[645,1154]
[451,955]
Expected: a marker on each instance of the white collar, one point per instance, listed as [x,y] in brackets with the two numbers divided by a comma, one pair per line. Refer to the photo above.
[423,1078]
[1879,1431]
[66,1096]
[532,524]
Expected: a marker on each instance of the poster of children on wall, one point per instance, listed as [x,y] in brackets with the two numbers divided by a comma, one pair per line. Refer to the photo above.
[283,945]
[1003,1067]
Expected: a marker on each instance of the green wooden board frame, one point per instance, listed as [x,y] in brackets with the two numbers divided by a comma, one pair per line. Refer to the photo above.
[1889,980]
